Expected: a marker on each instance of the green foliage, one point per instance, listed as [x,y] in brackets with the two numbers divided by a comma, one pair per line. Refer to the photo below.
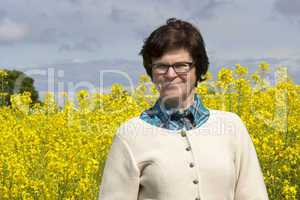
[14,82]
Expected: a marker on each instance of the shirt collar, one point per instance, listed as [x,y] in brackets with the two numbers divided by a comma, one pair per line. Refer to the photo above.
[198,110]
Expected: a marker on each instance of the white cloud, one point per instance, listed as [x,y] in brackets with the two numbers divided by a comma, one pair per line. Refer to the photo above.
[11,31]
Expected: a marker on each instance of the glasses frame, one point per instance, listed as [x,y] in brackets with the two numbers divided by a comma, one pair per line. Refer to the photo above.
[190,64]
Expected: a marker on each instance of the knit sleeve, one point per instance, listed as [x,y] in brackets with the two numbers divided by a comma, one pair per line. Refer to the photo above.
[249,178]
[120,177]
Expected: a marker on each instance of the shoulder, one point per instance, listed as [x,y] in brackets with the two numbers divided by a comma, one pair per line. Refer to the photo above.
[226,122]
[128,125]
[129,129]
[231,124]
[224,115]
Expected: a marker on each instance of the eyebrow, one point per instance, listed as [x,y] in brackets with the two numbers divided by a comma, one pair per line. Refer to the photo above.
[169,64]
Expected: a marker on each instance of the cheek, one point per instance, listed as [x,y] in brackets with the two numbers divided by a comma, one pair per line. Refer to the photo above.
[190,80]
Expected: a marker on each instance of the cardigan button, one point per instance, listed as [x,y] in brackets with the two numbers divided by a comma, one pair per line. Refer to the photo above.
[188,148]
[183,133]
[191,165]
[195,181]
[197,198]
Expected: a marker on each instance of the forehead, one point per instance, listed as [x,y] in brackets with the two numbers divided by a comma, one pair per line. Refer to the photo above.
[174,56]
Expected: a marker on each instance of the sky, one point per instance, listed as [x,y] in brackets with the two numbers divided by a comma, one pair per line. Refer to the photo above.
[89,44]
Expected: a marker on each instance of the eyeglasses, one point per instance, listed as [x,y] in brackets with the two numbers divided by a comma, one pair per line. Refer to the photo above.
[179,67]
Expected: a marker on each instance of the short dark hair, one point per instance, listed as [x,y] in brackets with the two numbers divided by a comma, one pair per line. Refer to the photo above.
[176,34]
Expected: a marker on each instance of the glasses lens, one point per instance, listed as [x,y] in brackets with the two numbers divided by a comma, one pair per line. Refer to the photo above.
[181,67]
[161,68]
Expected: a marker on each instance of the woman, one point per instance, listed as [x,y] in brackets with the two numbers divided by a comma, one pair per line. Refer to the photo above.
[179,149]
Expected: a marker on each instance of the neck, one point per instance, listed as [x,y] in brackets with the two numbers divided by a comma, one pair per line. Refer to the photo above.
[178,103]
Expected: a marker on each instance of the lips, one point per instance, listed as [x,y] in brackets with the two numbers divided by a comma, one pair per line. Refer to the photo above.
[170,84]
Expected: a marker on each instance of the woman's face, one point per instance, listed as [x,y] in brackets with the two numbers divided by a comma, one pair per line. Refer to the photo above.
[172,84]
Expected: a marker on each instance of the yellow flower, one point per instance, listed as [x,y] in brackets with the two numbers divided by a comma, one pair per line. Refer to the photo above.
[225,75]
[57,152]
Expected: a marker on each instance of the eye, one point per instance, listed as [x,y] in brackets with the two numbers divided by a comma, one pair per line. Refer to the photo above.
[181,65]
[162,66]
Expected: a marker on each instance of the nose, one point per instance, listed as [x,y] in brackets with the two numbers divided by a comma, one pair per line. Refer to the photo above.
[171,72]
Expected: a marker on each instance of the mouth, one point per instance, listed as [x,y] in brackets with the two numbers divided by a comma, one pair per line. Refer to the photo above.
[170,84]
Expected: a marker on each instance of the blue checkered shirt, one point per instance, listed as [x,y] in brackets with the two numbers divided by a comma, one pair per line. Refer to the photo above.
[192,117]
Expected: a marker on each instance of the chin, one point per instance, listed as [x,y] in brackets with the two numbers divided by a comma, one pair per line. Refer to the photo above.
[172,94]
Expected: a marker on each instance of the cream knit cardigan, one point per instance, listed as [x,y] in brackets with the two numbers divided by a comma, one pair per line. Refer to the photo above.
[217,161]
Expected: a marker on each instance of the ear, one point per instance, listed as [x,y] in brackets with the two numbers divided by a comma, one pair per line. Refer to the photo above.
[157,87]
